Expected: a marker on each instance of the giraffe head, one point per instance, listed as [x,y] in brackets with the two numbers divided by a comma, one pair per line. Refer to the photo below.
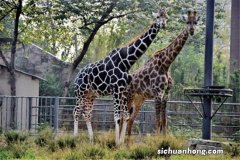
[191,19]
[161,18]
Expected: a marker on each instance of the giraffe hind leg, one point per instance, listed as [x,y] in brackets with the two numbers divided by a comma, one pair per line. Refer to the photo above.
[87,115]
[125,118]
[138,102]
[76,114]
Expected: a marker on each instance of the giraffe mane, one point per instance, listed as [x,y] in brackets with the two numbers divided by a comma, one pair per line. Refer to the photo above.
[138,36]
[171,43]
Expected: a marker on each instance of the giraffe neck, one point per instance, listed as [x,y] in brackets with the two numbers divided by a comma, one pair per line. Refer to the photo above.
[136,49]
[168,54]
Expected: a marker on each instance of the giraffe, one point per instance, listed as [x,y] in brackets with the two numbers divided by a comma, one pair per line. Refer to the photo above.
[109,76]
[153,80]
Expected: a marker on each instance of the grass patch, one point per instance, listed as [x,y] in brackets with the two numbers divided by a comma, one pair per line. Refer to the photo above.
[143,152]
[94,152]
[44,136]
[46,145]
[13,137]
[106,140]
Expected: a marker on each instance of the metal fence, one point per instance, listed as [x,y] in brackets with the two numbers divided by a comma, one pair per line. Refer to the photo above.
[32,112]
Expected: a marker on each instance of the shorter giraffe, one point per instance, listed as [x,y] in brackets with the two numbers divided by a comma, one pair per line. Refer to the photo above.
[153,81]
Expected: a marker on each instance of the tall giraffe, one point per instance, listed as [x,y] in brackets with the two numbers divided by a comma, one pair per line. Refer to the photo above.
[153,81]
[110,76]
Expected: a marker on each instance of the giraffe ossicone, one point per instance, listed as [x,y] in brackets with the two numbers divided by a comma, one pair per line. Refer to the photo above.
[153,80]
[110,76]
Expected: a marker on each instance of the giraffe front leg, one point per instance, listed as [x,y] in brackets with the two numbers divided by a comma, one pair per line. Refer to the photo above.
[163,118]
[158,105]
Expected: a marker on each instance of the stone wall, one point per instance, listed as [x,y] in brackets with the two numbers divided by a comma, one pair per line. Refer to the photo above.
[34,60]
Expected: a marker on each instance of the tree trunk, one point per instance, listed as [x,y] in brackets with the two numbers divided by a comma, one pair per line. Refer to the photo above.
[235,49]
[12,64]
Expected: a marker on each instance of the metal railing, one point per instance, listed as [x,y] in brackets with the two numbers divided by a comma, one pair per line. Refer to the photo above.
[32,112]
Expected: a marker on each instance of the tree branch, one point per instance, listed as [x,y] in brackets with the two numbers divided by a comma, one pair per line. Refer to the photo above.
[1,18]
[118,16]
[109,19]
[91,36]
[4,60]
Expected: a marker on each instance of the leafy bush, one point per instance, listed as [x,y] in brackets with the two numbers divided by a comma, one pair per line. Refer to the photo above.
[237,136]
[165,142]
[143,152]
[5,153]
[13,137]
[122,154]
[52,146]
[18,151]
[44,136]
[94,152]
[233,149]
[73,156]
[66,142]
[106,140]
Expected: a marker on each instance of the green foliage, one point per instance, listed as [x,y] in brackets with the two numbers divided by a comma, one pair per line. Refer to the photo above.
[122,154]
[44,136]
[66,142]
[19,151]
[144,148]
[233,149]
[94,152]
[13,137]
[142,152]
[106,140]
[73,156]
[237,136]
[5,153]
[187,132]
[52,86]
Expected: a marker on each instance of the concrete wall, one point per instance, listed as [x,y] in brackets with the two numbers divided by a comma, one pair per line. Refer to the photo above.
[26,85]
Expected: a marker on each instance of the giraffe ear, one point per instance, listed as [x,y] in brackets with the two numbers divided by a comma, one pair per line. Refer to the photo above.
[154,14]
[198,18]
[194,13]
[184,18]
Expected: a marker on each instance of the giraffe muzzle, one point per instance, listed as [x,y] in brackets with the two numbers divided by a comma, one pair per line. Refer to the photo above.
[191,32]
[163,25]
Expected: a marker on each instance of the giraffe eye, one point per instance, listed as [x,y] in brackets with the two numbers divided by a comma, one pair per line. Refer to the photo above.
[158,16]
[195,22]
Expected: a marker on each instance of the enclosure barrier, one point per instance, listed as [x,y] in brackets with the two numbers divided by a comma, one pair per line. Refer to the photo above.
[32,112]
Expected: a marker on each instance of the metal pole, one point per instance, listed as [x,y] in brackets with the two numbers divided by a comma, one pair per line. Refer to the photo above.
[208,70]
[56,107]
[30,113]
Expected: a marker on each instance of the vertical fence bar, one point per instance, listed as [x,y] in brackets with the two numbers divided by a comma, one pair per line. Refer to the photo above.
[36,112]
[30,113]
[1,111]
[21,112]
[104,118]
[142,117]
[51,108]
[56,107]
[7,113]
